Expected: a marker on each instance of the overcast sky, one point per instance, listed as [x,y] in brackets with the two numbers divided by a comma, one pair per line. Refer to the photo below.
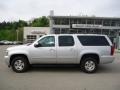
[11,10]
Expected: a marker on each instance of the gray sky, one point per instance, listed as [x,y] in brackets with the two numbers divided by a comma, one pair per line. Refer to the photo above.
[11,10]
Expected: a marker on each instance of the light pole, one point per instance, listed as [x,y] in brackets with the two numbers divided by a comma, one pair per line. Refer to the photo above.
[17,32]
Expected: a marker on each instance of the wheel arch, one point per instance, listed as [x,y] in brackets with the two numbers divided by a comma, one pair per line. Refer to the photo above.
[15,55]
[94,55]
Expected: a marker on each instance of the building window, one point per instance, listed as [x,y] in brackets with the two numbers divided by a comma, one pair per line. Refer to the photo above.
[81,31]
[89,31]
[64,21]
[73,31]
[90,21]
[57,30]
[61,21]
[74,21]
[118,23]
[64,31]
[31,38]
[113,23]
[57,21]
[97,31]
[112,32]
[98,22]
[106,23]
[81,21]
[105,31]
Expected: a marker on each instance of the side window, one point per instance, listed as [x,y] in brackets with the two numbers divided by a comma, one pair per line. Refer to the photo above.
[48,41]
[66,41]
[93,40]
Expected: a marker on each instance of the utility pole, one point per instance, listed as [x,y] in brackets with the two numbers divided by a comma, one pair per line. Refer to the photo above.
[17,32]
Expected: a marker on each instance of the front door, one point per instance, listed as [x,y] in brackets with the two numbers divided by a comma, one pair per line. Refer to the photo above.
[46,52]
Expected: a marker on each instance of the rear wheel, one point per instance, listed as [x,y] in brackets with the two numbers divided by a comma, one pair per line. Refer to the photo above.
[20,64]
[89,64]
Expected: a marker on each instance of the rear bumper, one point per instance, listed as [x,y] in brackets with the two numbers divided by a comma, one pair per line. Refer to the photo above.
[107,59]
[7,60]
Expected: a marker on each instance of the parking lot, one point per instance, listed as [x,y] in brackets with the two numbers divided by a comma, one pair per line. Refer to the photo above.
[60,77]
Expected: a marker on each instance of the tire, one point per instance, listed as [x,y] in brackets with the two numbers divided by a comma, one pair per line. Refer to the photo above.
[20,64]
[89,65]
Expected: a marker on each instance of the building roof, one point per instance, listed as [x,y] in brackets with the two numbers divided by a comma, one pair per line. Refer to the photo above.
[76,34]
[88,17]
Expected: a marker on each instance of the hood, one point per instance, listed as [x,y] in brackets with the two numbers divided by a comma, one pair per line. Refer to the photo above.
[17,47]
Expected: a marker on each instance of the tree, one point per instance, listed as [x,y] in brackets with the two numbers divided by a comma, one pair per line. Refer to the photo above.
[8,29]
[22,23]
[40,22]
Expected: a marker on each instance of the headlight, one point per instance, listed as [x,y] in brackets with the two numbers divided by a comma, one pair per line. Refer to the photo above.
[6,53]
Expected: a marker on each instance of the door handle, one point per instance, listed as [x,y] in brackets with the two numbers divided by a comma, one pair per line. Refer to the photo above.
[71,49]
[52,49]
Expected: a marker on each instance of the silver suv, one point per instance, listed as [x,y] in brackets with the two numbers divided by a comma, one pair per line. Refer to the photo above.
[87,50]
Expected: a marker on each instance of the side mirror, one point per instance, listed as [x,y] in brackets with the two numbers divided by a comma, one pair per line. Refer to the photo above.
[37,45]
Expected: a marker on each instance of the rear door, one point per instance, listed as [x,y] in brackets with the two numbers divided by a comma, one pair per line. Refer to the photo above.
[66,49]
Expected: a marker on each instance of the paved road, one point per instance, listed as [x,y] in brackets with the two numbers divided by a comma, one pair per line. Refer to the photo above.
[60,78]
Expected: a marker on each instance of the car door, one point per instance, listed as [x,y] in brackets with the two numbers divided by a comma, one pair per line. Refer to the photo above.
[66,50]
[45,52]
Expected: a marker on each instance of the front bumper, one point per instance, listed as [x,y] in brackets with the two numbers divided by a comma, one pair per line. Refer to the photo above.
[106,59]
[7,59]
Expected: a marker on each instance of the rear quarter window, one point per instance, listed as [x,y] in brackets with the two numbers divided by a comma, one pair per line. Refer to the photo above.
[93,41]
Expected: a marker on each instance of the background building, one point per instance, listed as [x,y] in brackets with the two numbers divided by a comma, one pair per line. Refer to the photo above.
[32,33]
[77,24]
[87,25]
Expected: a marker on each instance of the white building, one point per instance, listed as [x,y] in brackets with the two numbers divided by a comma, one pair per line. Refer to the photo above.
[77,24]
[87,25]
[32,33]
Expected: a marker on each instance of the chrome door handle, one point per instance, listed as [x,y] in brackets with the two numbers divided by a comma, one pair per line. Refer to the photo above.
[71,49]
[52,49]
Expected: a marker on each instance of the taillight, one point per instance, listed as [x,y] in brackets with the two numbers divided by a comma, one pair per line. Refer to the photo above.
[112,50]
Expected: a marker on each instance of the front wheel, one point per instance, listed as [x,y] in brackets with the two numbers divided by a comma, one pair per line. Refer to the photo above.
[19,64]
[89,65]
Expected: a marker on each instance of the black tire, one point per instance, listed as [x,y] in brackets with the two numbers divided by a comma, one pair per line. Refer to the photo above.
[85,67]
[20,64]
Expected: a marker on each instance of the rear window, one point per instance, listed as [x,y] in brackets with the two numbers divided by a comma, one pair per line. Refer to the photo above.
[93,40]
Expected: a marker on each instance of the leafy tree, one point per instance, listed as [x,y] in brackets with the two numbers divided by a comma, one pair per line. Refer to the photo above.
[8,29]
[40,22]
[22,23]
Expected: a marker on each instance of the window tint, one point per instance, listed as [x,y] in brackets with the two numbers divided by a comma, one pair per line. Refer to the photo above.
[47,41]
[93,40]
[66,41]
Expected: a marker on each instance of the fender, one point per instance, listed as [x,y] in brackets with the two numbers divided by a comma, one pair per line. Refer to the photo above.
[15,52]
[84,52]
